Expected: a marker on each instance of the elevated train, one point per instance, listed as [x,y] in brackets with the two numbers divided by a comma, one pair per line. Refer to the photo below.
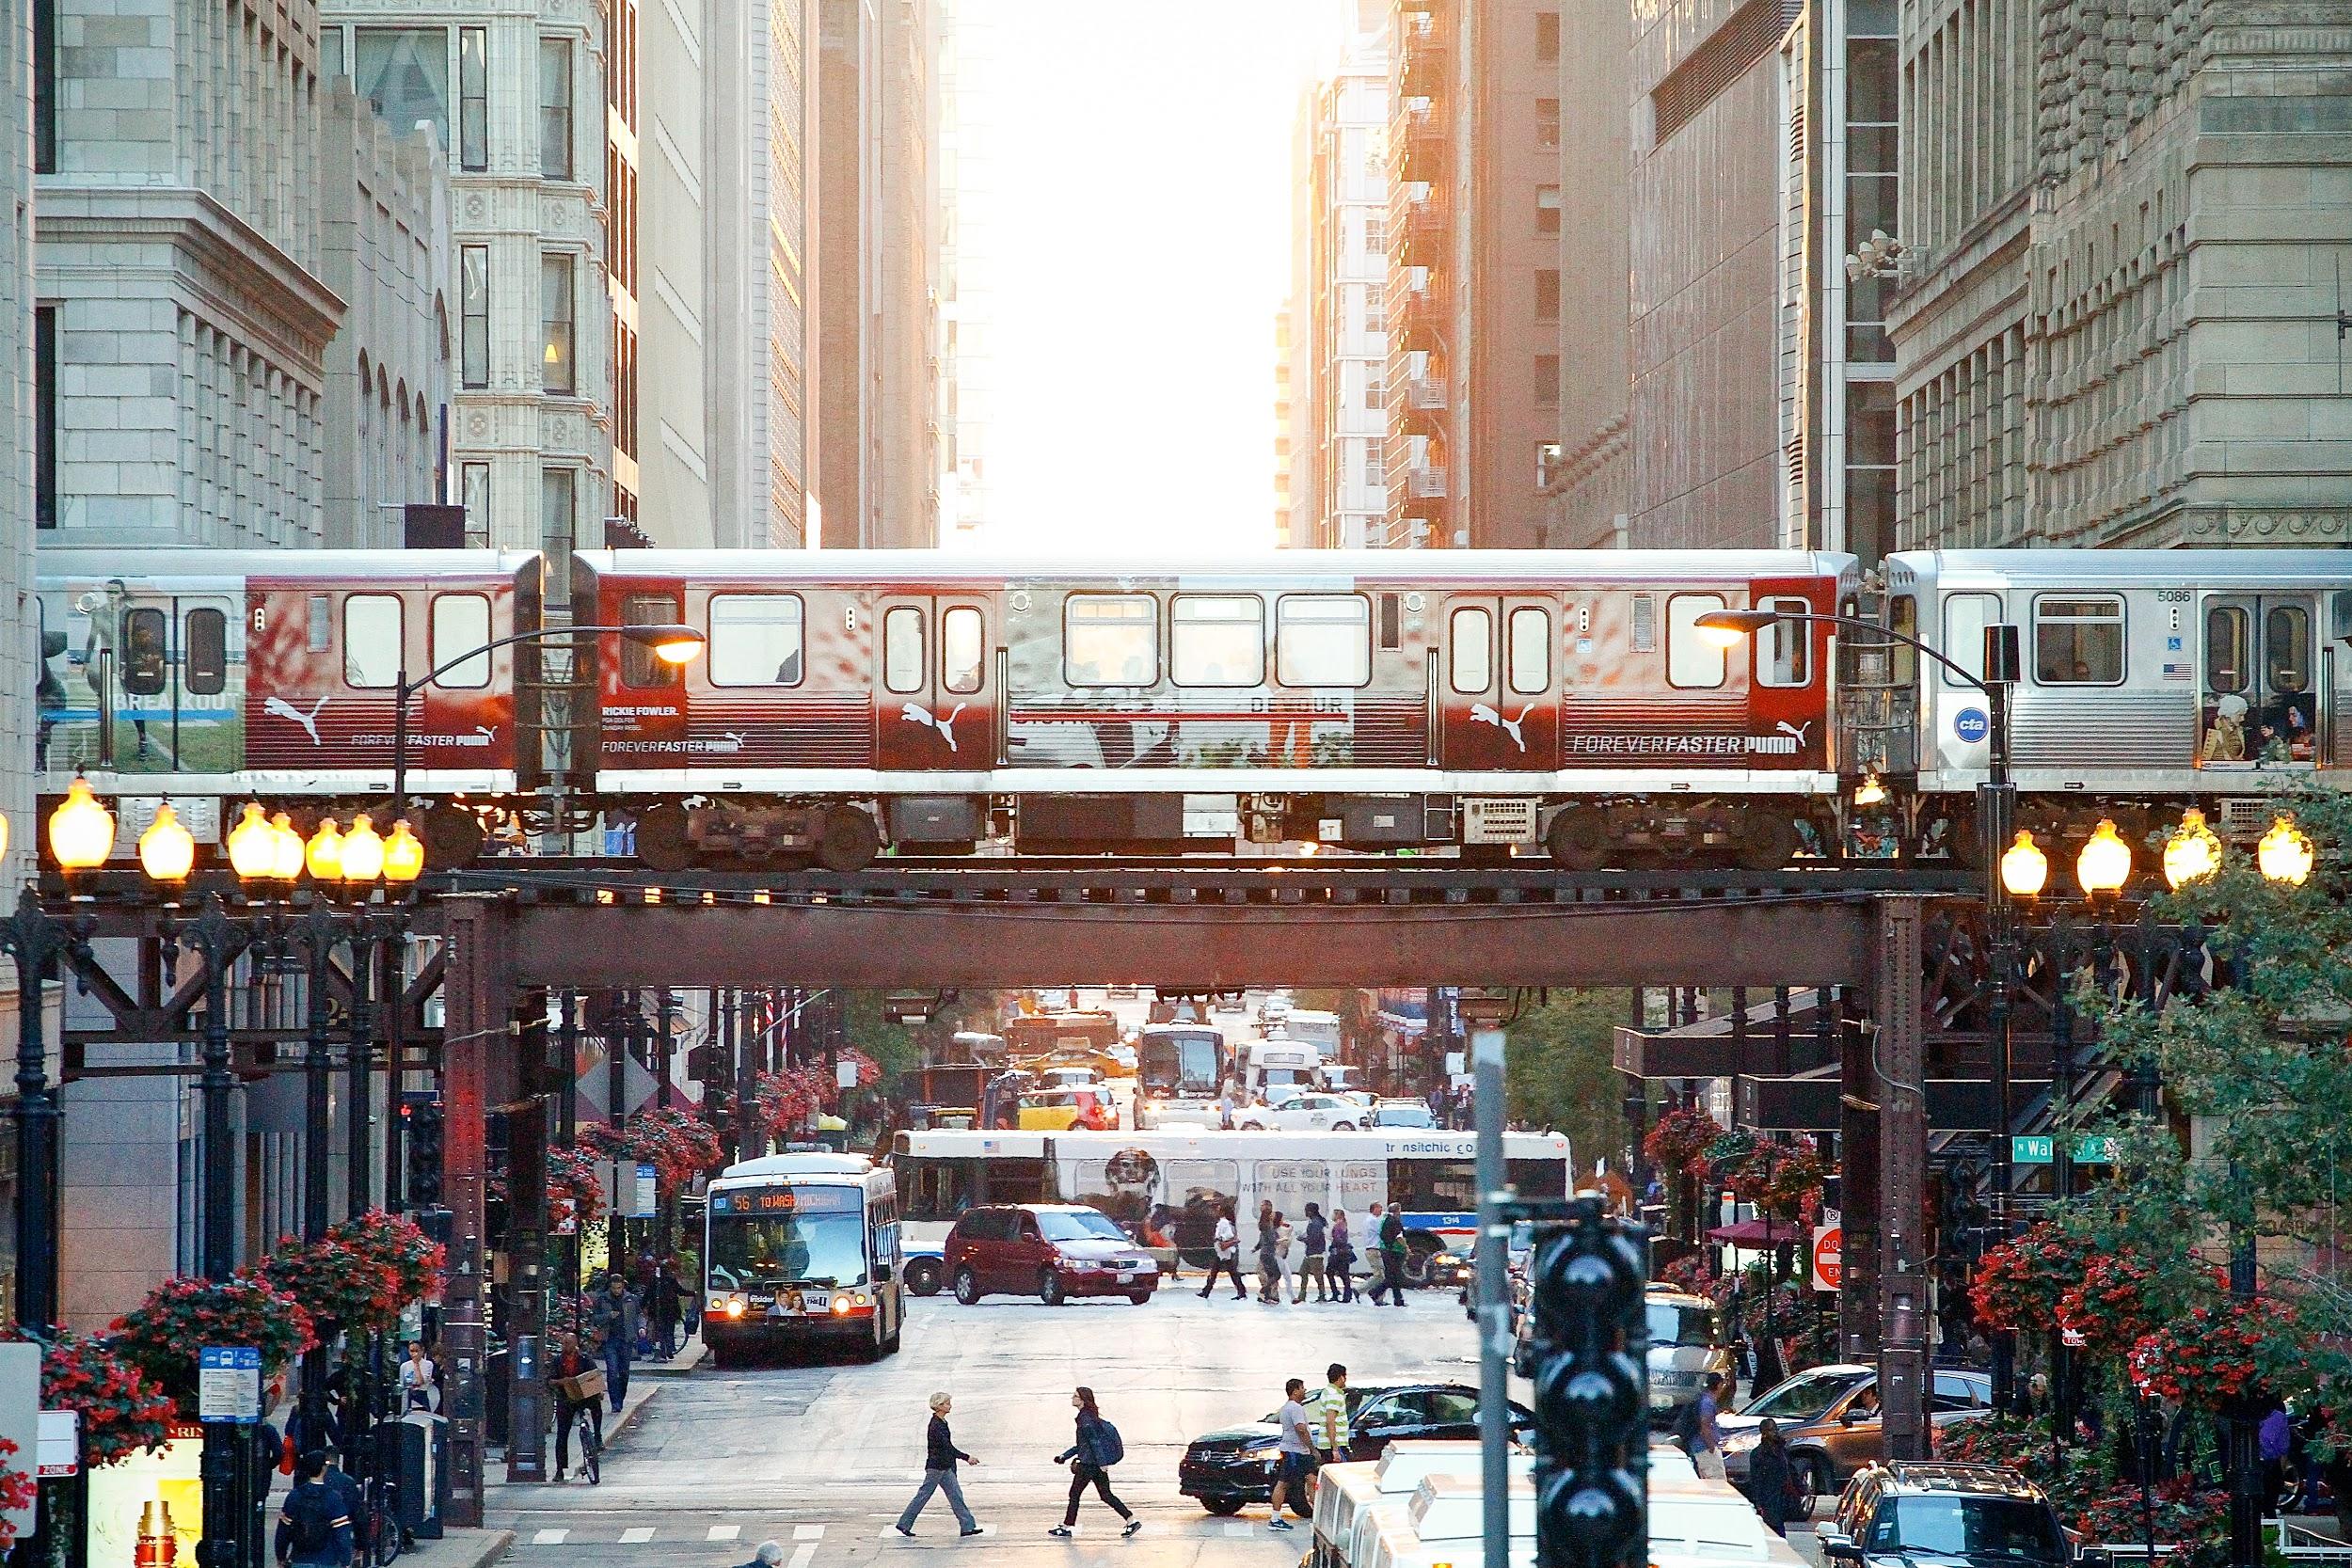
[1486,702]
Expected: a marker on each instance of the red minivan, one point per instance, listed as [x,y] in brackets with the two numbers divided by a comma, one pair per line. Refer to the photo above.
[1053,1251]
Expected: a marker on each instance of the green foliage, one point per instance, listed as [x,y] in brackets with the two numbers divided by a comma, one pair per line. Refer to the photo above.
[1560,1068]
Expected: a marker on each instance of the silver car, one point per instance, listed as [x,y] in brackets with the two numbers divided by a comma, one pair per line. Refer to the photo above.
[1686,1342]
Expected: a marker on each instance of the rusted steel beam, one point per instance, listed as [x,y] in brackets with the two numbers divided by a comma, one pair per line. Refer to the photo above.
[1898,1058]
[1204,948]
[480,989]
[1816,1104]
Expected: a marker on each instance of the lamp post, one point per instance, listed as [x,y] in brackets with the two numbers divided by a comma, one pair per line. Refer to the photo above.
[670,643]
[1997,808]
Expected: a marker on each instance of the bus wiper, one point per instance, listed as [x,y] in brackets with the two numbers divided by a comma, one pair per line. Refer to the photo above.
[825,1284]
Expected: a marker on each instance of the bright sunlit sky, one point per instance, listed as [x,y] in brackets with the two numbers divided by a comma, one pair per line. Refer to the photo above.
[1138,219]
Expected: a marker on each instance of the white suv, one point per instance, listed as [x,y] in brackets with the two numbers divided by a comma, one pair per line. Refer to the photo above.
[1305,1112]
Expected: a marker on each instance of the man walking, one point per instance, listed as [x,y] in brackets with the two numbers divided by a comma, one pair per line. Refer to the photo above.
[1317,1240]
[315,1527]
[1329,1412]
[1706,1438]
[1388,1255]
[669,1298]
[940,1454]
[1225,1248]
[1296,1454]
[615,1320]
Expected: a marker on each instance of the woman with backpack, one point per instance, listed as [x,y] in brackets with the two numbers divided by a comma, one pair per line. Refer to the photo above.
[1341,1262]
[1090,1459]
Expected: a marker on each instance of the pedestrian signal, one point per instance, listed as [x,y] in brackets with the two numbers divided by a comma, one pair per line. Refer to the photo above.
[424,1153]
[1589,1359]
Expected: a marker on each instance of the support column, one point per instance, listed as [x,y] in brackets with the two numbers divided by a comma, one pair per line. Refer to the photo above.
[1900,1060]
[1858,1189]
[527,1252]
[474,996]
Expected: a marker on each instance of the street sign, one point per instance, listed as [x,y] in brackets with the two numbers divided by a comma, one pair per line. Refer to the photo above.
[60,1443]
[2032,1150]
[2092,1149]
[1829,1257]
[229,1383]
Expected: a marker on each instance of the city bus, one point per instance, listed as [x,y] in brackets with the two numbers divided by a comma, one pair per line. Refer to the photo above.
[1166,1186]
[1179,1070]
[801,1249]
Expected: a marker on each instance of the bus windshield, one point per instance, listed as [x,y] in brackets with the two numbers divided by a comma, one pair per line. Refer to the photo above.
[1178,1064]
[788,1236]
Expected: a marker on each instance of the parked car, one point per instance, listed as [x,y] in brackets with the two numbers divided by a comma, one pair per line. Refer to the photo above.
[1830,1416]
[1060,1110]
[1977,1516]
[1229,1469]
[1053,1251]
[1401,1113]
[1686,1342]
[1304,1113]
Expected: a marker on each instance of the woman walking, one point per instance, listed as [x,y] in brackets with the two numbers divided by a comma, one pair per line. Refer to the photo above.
[1318,1240]
[1269,1252]
[1286,1256]
[1342,1258]
[940,1456]
[1090,1459]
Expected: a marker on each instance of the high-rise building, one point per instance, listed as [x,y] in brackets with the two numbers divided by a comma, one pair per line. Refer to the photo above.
[1338,330]
[878,431]
[23,448]
[666,390]
[1584,478]
[967,286]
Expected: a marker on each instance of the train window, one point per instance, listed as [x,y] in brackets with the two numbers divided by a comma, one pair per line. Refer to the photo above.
[1322,640]
[1784,649]
[2078,639]
[1965,616]
[2286,648]
[1691,660]
[1903,660]
[1217,640]
[1111,640]
[207,633]
[1391,635]
[371,640]
[903,659]
[1643,630]
[755,639]
[461,623]
[1530,661]
[145,662]
[642,669]
[2227,664]
[1471,650]
[959,649]
[320,626]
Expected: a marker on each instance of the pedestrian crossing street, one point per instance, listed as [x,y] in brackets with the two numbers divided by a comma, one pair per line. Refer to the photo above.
[807,1538]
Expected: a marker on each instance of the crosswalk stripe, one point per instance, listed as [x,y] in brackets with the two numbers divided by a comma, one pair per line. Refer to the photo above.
[1241,1530]
[802,1553]
[725,1532]
[808,1532]
[638,1536]
[549,1537]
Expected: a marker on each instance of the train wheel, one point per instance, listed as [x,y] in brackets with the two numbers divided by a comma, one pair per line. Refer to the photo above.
[452,837]
[661,841]
[848,840]
[1766,841]
[1577,840]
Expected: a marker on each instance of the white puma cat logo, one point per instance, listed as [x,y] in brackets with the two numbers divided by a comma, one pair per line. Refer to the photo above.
[1483,713]
[285,709]
[916,713]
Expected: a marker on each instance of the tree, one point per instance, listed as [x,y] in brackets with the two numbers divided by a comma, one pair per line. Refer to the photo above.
[1560,1067]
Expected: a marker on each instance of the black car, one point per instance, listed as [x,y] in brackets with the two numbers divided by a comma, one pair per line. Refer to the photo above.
[1229,1469]
[1930,1516]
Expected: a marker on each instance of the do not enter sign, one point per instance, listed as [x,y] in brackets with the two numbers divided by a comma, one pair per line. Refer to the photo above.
[1829,1256]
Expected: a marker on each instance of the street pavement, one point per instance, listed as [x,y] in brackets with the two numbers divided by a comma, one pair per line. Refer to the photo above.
[821,1457]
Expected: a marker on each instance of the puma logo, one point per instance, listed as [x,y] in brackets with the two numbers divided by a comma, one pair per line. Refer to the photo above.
[1796,730]
[281,708]
[1483,713]
[916,713]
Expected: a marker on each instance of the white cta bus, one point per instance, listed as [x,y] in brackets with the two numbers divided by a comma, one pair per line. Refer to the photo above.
[800,1248]
[1165,1187]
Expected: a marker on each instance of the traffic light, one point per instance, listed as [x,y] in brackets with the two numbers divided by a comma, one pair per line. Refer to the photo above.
[1590,1359]
[423,1119]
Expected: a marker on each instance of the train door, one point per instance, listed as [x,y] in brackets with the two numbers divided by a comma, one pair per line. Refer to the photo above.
[144,663]
[1497,685]
[2259,701]
[936,684]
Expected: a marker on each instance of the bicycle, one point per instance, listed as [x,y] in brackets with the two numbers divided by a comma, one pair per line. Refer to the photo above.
[591,1445]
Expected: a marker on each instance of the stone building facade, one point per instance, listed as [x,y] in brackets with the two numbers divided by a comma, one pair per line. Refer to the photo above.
[1337,462]
[2118,325]
[385,250]
[1585,480]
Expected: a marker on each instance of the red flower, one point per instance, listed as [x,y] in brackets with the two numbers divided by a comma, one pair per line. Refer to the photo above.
[162,1334]
[2210,1355]
[123,1411]
[2109,1306]
[1680,1140]
[2020,1283]
[680,1145]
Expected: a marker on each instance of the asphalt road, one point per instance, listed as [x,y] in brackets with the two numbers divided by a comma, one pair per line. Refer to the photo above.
[821,1457]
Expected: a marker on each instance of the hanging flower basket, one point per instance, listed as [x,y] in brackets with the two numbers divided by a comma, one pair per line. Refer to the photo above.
[162,1334]
[1785,1181]
[123,1411]
[1681,1140]
[1694,1275]
[2209,1355]
[18,1490]
[399,1245]
[680,1145]
[788,1101]
[2110,1308]
[337,1284]
[574,1192]
[2019,1282]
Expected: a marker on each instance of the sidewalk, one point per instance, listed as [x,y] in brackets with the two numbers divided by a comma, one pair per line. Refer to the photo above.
[645,1380]
[461,1548]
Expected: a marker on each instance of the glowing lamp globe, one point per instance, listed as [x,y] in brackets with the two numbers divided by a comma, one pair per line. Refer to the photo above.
[1869,792]
[2105,861]
[81,832]
[2193,852]
[285,863]
[404,855]
[2285,854]
[324,853]
[253,845]
[166,850]
[2024,867]
[363,851]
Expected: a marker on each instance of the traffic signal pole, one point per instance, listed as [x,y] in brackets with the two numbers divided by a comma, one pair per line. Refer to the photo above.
[1494,1284]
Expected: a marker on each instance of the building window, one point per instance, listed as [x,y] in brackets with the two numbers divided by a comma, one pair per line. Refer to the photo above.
[1547,381]
[556,324]
[45,86]
[555,108]
[1548,36]
[1548,294]
[1111,640]
[755,639]
[404,72]
[474,493]
[331,54]
[473,99]
[475,307]
[556,487]
[1546,122]
[45,417]
[1547,209]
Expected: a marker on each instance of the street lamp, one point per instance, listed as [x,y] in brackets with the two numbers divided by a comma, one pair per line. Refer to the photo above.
[166,850]
[323,855]
[2192,853]
[669,643]
[2105,863]
[2285,855]
[2025,870]
[81,832]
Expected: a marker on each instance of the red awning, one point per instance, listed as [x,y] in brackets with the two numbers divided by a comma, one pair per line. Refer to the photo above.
[1751,1233]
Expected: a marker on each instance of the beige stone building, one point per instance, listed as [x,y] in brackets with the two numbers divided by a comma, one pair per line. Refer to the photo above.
[1339,466]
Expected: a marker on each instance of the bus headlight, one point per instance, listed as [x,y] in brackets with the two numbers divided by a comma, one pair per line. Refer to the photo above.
[733,1303]
[840,1306]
